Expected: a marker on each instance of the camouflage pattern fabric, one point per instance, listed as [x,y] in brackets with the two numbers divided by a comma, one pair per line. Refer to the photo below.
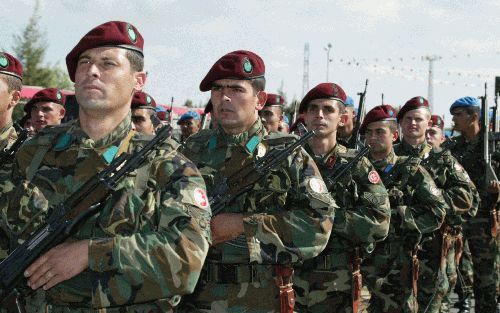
[417,209]
[8,136]
[288,218]
[462,200]
[483,246]
[324,284]
[149,241]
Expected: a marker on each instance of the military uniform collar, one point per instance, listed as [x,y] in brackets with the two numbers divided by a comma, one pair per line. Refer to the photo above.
[329,159]
[8,135]
[119,133]
[385,164]
[419,150]
[250,138]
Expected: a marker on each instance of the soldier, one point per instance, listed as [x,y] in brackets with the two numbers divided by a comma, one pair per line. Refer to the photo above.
[468,149]
[330,282]
[189,123]
[458,192]
[284,218]
[46,108]
[417,208]
[144,116]
[435,133]
[272,112]
[345,131]
[147,243]
[11,75]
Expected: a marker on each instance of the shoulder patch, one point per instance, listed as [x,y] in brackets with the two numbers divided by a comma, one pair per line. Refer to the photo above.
[316,185]
[200,197]
[373,177]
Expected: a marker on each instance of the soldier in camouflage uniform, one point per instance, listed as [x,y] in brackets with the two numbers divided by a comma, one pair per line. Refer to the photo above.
[454,220]
[284,218]
[457,190]
[11,75]
[330,282]
[148,242]
[346,132]
[417,207]
[144,113]
[468,149]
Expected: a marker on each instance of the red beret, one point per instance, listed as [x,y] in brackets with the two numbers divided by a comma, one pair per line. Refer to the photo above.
[383,112]
[162,115]
[437,121]
[142,100]
[323,91]
[239,64]
[110,34]
[274,100]
[46,95]
[9,65]
[413,104]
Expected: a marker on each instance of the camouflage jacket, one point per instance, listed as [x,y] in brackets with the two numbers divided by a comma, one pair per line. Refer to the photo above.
[288,214]
[450,177]
[363,216]
[150,239]
[470,155]
[8,136]
[416,203]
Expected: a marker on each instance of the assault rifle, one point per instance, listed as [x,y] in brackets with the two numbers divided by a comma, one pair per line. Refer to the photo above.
[361,113]
[490,173]
[243,180]
[65,219]
[343,168]
[9,153]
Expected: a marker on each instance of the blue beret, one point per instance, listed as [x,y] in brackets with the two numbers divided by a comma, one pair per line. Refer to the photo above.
[188,115]
[286,120]
[349,102]
[465,102]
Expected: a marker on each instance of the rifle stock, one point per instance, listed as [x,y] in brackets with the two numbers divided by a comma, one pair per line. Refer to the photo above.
[66,217]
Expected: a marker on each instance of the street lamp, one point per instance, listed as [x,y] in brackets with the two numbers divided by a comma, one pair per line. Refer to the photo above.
[327,49]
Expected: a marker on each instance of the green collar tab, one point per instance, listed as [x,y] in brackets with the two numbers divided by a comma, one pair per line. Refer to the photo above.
[212,143]
[252,143]
[109,154]
[63,142]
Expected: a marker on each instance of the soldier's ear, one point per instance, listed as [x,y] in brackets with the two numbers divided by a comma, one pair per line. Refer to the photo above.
[15,96]
[140,80]
[343,118]
[395,136]
[261,100]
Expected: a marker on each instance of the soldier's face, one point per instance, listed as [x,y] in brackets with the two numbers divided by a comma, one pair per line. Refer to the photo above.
[323,116]
[379,137]
[142,121]
[271,117]
[189,127]
[46,113]
[8,100]
[461,120]
[415,123]
[105,80]
[236,104]
[434,136]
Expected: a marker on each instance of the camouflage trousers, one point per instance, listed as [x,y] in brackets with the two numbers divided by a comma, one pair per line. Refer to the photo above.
[432,280]
[228,289]
[161,306]
[465,273]
[484,250]
[324,284]
[387,273]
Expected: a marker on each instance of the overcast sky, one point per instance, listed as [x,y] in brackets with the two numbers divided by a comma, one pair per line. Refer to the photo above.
[383,41]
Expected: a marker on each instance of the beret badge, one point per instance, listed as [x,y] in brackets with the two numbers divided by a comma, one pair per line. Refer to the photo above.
[247,66]
[4,62]
[131,33]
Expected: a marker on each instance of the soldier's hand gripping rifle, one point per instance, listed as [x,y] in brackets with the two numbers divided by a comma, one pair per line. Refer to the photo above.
[490,173]
[65,218]
[243,180]
[9,153]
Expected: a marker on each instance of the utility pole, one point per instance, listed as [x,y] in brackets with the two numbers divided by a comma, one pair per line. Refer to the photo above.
[327,49]
[305,77]
[430,88]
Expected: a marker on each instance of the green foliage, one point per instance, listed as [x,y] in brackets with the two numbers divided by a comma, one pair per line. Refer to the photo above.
[30,47]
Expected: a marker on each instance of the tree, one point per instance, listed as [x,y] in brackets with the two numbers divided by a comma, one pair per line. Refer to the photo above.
[30,48]
[188,103]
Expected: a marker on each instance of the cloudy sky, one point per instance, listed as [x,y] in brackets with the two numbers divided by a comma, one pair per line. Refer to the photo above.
[383,41]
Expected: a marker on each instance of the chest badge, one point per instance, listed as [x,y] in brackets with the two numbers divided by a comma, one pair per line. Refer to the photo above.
[261,150]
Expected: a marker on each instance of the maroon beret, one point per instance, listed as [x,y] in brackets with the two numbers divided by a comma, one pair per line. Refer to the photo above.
[413,104]
[383,112]
[9,65]
[142,100]
[274,100]
[46,95]
[437,121]
[323,91]
[110,34]
[162,115]
[239,64]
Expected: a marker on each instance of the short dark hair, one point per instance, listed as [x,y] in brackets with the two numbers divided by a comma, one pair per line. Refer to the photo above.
[258,84]
[136,60]
[13,83]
